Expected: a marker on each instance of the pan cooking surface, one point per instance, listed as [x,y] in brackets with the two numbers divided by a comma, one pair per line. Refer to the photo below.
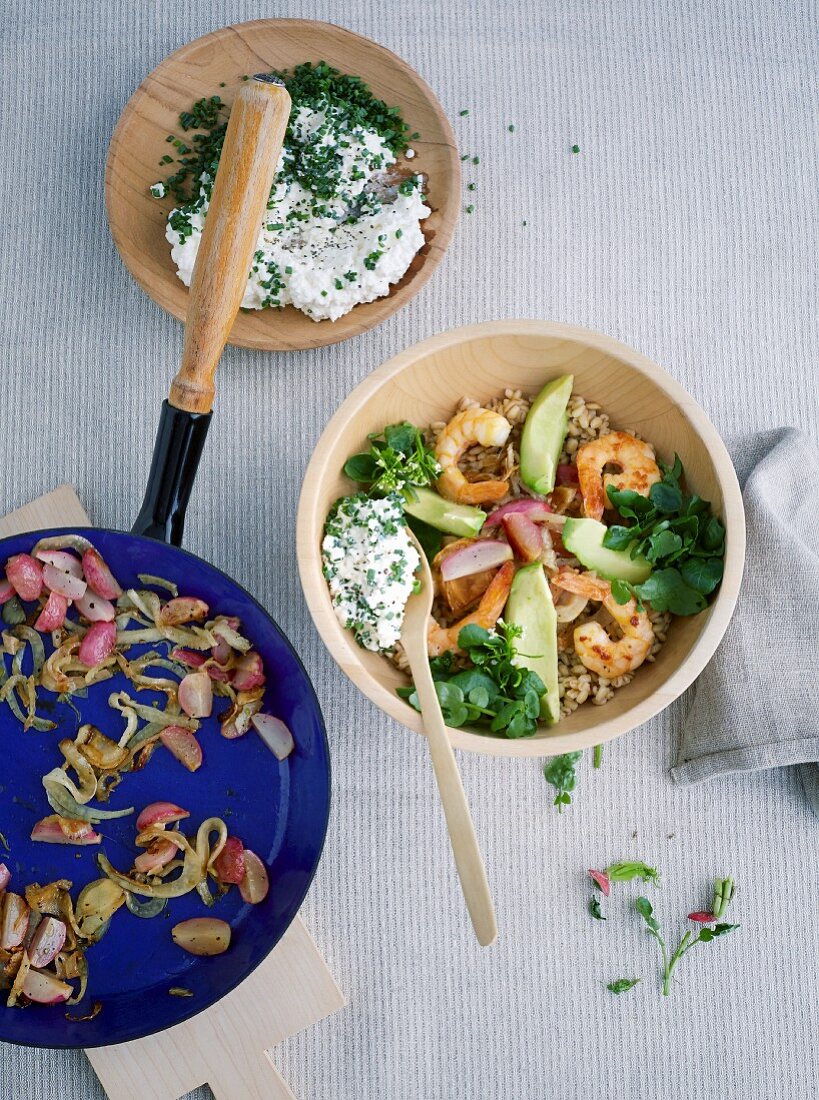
[278,809]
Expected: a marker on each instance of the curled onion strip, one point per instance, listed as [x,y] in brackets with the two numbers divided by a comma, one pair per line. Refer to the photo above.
[159,582]
[64,803]
[30,635]
[63,542]
[147,713]
[224,630]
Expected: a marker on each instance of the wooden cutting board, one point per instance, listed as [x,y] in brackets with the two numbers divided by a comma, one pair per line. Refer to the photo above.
[228,1045]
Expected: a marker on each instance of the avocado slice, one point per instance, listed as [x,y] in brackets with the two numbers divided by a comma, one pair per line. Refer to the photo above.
[543,433]
[445,515]
[530,607]
[584,539]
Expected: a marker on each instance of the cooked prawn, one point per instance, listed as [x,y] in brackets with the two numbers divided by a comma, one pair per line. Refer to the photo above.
[598,651]
[469,426]
[486,614]
[634,457]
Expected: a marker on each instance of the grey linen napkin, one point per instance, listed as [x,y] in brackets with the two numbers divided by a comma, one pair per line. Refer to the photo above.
[756,705]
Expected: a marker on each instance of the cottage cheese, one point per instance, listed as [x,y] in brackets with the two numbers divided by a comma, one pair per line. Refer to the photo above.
[336,232]
[369,563]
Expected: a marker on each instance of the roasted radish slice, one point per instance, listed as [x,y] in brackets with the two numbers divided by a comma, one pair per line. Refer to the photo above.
[13,921]
[160,813]
[5,878]
[535,510]
[94,608]
[159,853]
[6,590]
[45,988]
[230,863]
[66,584]
[53,614]
[182,744]
[255,884]
[62,560]
[524,536]
[202,936]
[195,695]
[248,673]
[183,609]
[63,830]
[47,941]
[26,575]
[476,557]
[99,576]
[275,734]
[98,644]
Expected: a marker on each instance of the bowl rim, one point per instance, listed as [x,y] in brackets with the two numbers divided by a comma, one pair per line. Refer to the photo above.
[162,289]
[718,615]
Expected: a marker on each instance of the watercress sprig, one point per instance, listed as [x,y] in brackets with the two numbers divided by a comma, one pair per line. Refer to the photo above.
[398,461]
[494,692]
[678,534]
[622,985]
[561,772]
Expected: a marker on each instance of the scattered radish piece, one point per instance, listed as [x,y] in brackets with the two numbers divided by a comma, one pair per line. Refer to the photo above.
[477,557]
[189,657]
[57,830]
[99,576]
[26,574]
[195,695]
[6,590]
[535,510]
[13,921]
[230,863]
[94,608]
[47,941]
[602,880]
[73,588]
[53,614]
[221,651]
[249,672]
[524,536]
[255,884]
[61,560]
[45,988]
[182,744]
[183,609]
[160,813]
[160,853]
[275,734]
[566,474]
[98,644]
[5,876]
[202,936]
[702,917]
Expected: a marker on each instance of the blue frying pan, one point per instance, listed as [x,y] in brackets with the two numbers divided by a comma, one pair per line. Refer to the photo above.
[278,809]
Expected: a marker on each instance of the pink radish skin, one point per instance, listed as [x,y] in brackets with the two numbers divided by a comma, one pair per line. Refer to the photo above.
[61,560]
[249,672]
[602,880]
[14,921]
[702,917]
[195,695]
[255,884]
[230,864]
[535,510]
[53,614]
[160,813]
[45,989]
[6,590]
[26,574]
[5,877]
[567,475]
[47,942]
[189,657]
[160,853]
[99,576]
[475,558]
[182,744]
[73,588]
[183,609]
[94,608]
[525,537]
[48,831]
[98,644]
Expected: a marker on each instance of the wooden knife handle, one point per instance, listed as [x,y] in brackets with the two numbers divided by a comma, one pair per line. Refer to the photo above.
[253,142]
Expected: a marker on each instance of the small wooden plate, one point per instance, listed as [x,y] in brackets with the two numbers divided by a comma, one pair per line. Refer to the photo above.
[137,219]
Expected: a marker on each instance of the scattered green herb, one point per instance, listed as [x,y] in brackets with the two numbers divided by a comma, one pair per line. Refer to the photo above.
[560,772]
[495,692]
[689,939]
[594,908]
[180,991]
[597,758]
[575,148]
[511,127]
[463,113]
[470,186]
[398,461]
[476,160]
[622,985]
[469,209]
[431,540]
[677,533]
[628,870]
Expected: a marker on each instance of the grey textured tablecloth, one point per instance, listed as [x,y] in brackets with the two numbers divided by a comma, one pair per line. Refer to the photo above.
[686,226]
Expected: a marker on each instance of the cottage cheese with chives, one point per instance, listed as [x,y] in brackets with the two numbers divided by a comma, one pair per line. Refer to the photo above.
[338,230]
[369,563]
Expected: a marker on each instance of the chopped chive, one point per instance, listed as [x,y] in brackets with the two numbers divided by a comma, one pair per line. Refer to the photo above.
[469,209]
[463,113]
[470,187]
[511,127]
[476,160]
[575,148]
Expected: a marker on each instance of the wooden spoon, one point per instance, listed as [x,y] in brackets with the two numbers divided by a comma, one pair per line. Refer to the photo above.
[468,857]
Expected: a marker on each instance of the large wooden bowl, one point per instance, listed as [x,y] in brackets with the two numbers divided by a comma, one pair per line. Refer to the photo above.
[199,69]
[423,384]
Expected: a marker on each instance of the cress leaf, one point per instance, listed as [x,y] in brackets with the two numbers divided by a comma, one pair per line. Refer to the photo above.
[666,590]
[430,539]
[560,772]
[594,908]
[702,574]
[713,535]
[618,538]
[622,985]
[361,468]
[631,869]
[472,635]
[629,503]
[708,934]
[666,497]
[621,591]
[646,911]
[663,543]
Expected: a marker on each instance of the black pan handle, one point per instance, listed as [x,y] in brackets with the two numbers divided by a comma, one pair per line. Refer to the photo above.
[180,441]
